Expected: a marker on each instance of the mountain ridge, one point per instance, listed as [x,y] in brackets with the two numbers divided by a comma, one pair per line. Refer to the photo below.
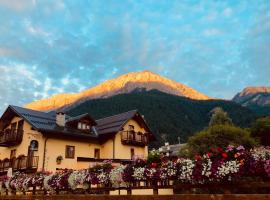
[125,83]
[166,114]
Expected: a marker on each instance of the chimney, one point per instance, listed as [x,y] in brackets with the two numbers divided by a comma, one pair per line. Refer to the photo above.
[60,119]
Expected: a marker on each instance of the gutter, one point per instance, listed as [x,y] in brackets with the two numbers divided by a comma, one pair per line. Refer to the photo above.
[44,154]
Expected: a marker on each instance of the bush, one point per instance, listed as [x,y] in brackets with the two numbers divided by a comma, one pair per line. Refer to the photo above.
[260,130]
[219,136]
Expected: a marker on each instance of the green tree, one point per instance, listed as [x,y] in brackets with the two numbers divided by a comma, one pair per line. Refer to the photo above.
[220,117]
[260,130]
[219,136]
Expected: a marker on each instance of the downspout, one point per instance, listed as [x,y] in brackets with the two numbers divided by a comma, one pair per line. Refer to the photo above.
[44,154]
[114,147]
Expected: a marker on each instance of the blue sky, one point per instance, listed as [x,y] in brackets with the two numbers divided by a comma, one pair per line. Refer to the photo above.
[47,47]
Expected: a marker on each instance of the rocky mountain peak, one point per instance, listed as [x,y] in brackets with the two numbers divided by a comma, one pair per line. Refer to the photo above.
[123,84]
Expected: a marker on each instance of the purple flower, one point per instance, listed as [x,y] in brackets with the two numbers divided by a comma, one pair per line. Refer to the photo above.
[230,148]
[240,148]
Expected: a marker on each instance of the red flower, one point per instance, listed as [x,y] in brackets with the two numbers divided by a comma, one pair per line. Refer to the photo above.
[198,157]
[219,149]
[209,154]
[224,155]
[154,165]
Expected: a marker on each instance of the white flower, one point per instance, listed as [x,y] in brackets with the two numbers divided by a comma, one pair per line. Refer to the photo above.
[260,153]
[206,171]
[138,173]
[228,168]
[186,169]
[103,177]
[76,179]
[45,182]
[116,177]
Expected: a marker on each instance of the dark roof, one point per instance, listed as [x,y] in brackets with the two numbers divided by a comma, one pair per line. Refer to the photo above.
[45,122]
[82,116]
[114,123]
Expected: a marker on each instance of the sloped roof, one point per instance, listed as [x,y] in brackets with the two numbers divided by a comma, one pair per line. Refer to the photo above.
[39,120]
[45,122]
[82,116]
[113,123]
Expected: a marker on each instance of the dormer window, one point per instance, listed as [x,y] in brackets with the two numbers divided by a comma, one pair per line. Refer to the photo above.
[83,126]
[79,125]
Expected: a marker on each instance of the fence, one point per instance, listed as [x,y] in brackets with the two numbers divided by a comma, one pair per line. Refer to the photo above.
[176,188]
[141,197]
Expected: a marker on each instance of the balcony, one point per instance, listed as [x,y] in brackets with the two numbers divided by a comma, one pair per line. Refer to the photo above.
[134,138]
[10,137]
[22,163]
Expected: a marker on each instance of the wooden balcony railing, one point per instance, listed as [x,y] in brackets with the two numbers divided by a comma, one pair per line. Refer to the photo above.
[19,164]
[134,138]
[10,137]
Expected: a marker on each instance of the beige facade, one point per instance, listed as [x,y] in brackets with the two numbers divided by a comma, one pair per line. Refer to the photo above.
[49,148]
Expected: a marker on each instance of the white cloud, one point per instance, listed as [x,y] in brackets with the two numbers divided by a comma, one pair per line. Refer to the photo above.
[17,84]
[212,32]
[34,30]
[227,12]
[18,5]
[65,80]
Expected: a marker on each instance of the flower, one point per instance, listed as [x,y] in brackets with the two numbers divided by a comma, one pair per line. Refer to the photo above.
[228,169]
[198,157]
[240,148]
[77,178]
[209,154]
[116,177]
[229,148]
[224,155]
[186,169]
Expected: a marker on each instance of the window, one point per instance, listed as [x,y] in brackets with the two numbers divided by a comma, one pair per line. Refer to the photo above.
[83,126]
[33,145]
[130,127]
[13,126]
[97,154]
[70,151]
[79,125]
[132,153]
[20,125]
[12,153]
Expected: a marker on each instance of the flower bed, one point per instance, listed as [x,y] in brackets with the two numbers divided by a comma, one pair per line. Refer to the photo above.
[216,167]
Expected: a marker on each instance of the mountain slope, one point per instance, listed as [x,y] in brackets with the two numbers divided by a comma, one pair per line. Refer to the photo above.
[255,98]
[120,85]
[166,114]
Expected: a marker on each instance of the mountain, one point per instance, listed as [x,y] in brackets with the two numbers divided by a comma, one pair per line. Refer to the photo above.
[255,98]
[126,83]
[168,115]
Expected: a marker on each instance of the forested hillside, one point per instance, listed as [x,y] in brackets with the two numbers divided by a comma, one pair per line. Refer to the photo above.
[169,116]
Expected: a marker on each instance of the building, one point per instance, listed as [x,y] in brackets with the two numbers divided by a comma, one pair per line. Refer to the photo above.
[32,140]
[171,150]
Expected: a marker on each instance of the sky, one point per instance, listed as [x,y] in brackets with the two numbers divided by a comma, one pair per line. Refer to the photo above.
[217,47]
